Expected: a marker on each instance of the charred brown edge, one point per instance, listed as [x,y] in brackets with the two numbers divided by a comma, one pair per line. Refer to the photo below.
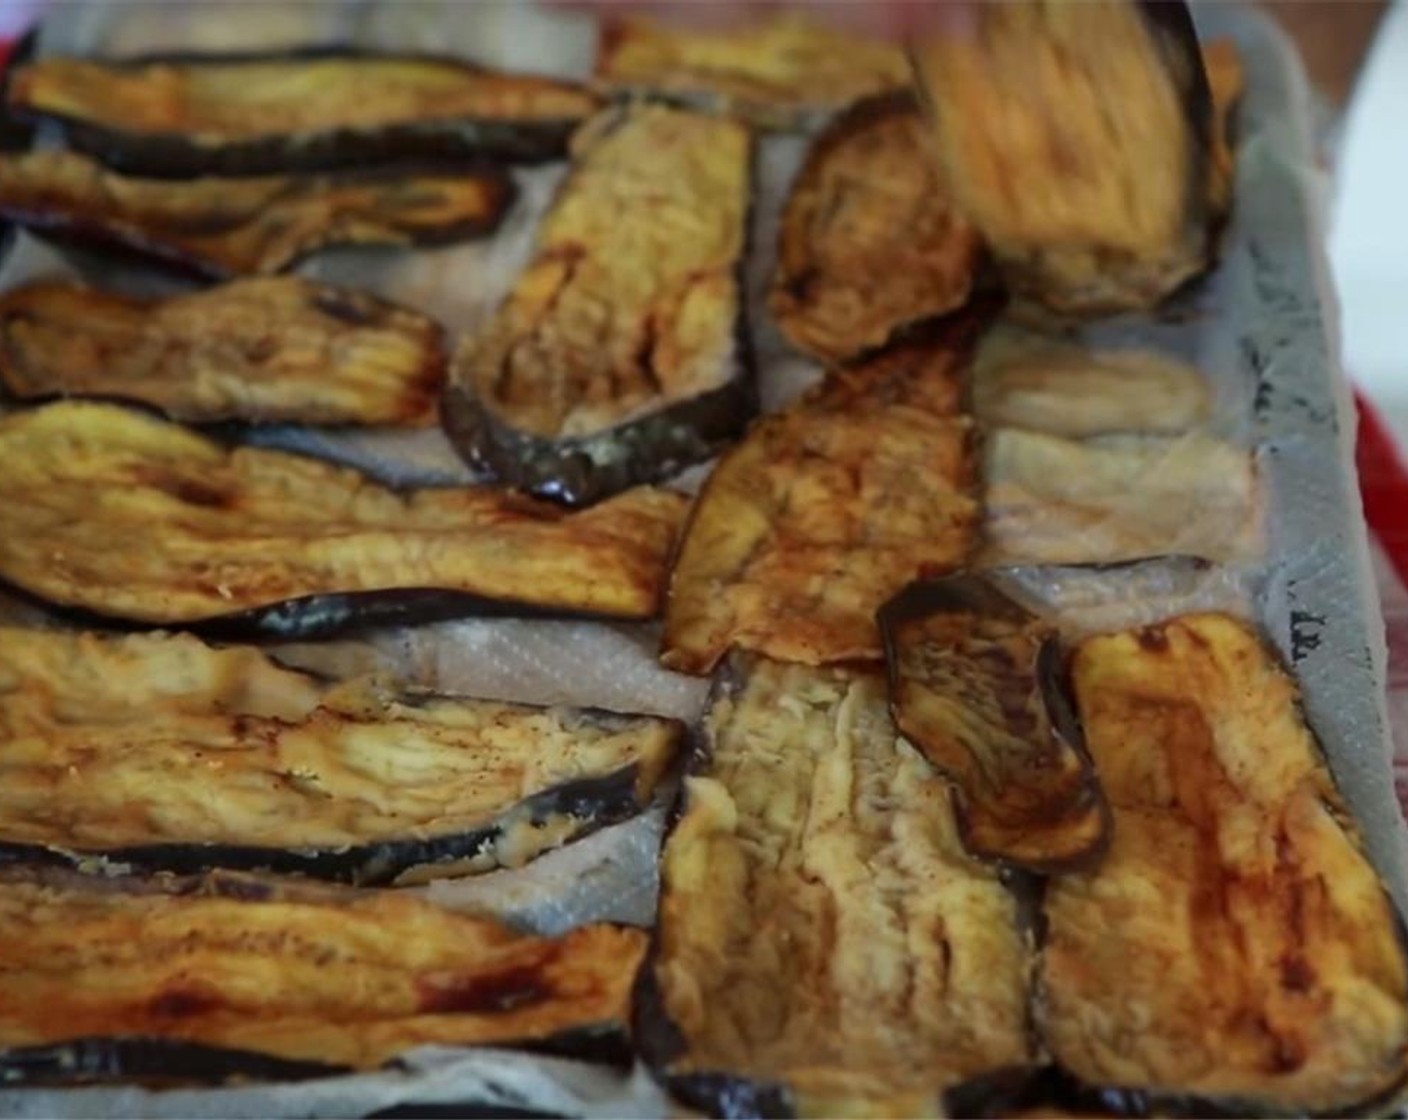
[177,155]
[103,236]
[582,470]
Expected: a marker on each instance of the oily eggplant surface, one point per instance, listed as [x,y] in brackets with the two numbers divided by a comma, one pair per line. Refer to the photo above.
[976,686]
[824,944]
[1075,138]
[221,228]
[1235,944]
[264,349]
[775,71]
[827,509]
[126,516]
[620,355]
[869,246]
[279,973]
[163,753]
[312,110]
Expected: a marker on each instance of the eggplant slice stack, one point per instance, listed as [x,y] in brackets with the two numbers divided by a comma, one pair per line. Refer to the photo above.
[276,349]
[621,355]
[301,111]
[162,754]
[126,516]
[220,228]
[226,976]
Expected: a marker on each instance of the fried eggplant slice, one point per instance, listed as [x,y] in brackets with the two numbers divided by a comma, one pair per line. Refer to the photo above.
[869,245]
[1022,379]
[1101,501]
[163,754]
[620,356]
[822,933]
[776,72]
[1226,80]
[220,228]
[134,977]
[275,349]
[824,511]
[976,686]
[1235,945]
[1075,138]
[123,515]
[300,111]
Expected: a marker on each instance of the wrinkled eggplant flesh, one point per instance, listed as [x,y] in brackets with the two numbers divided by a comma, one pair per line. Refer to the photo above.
[975,686]
[161,752]
[275,349]
[773,71]
[1049,500]
[304,111]
[826,510]
[232,227]
[821,927]
[299,973]
[1236,942]
[1074,137]
[124,515]
[1027,380]
[628,317]
[869,244]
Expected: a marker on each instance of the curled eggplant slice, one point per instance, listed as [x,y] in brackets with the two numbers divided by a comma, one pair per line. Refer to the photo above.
[1235,946]
[827,509]
[126,516]
[248,976]
[824,942]
[869,247]
[975,686]
[620,356]
[1049,500]
[1075,138]
[117,750]
[318,110]
[221,228]
[776,72]
[265,349]
[1226,81]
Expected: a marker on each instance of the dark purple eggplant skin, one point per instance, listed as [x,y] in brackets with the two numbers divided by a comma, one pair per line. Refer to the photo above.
[173,156]
[597,802]
[88,1061]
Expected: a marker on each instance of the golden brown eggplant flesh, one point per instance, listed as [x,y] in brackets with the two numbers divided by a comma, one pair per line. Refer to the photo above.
[123,978]
[162,753]
[869,246]
[308,110]
[775,71]
[976,686]
[122,515]
[1075,138]
[264,349]
[827,509]
[220,228]
[1235,947]
[824,942]
[620,356]
[1226,82]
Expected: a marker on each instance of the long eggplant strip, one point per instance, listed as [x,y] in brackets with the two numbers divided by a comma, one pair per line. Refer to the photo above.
[299,111]
[1235,944]
[822,931]
[230,227]
[280,349]
[976,686]
[162,753]
[869,248]
[301,974]
[824,511]
[127,516]
[620,357]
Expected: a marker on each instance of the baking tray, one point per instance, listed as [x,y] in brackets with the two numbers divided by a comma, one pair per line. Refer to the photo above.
[1262,328]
